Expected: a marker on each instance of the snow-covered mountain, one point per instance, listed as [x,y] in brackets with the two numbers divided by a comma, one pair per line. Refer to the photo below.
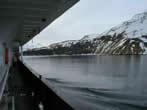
[82,46]
[67,43]
[130,37]
[135,27]
[31,46]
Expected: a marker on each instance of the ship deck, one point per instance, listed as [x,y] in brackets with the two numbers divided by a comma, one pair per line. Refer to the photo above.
[25,91]
[20,94]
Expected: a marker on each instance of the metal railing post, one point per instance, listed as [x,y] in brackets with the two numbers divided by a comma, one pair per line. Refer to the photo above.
[21,53]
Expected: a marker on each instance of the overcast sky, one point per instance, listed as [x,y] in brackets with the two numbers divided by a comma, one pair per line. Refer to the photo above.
[89,17]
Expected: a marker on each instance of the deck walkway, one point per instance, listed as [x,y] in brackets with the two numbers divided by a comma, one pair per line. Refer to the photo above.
[22,99]
[26,91]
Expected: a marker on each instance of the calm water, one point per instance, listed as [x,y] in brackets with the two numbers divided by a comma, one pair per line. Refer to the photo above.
[96,82]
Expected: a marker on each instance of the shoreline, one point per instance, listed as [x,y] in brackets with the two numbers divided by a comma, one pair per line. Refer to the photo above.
[63,55]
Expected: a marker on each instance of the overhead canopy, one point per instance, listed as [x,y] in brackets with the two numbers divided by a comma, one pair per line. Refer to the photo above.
[21,20]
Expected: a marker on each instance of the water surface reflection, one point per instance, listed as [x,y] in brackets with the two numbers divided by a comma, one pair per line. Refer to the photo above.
[96,82]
